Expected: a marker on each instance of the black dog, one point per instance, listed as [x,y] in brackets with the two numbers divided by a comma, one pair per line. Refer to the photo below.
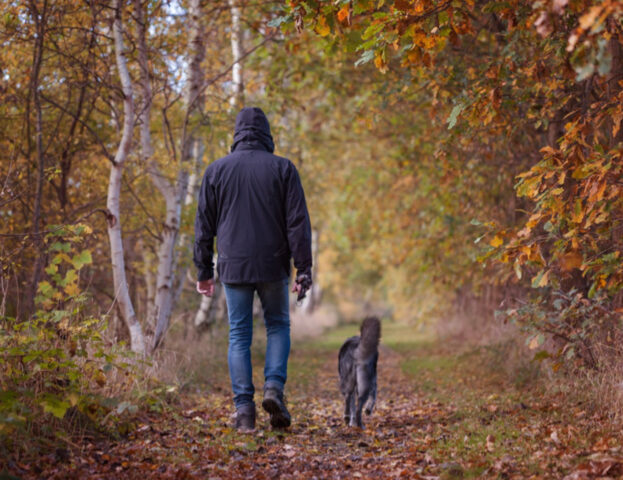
[357,369]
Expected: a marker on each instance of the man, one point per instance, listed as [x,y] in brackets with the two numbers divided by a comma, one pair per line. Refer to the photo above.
[253,203]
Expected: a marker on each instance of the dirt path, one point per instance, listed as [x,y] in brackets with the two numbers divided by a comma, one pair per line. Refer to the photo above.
[438,416]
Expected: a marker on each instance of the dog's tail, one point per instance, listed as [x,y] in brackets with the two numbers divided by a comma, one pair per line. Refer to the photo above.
[369,337]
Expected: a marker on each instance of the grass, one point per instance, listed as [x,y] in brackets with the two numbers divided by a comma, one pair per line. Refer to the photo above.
[492,394]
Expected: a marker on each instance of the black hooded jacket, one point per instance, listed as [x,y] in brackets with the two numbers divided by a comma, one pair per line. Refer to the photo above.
[253,203]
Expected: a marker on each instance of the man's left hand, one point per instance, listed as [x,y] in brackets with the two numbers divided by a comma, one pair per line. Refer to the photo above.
[302,283]
[206,287]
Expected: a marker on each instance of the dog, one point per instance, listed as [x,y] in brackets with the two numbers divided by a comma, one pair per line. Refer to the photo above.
[357,369]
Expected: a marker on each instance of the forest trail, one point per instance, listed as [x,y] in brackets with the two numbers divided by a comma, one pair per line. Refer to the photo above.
[439,415]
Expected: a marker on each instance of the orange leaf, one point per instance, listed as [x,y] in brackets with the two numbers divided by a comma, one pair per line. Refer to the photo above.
[343,14]
[587,20]
[571,260]
[380,64]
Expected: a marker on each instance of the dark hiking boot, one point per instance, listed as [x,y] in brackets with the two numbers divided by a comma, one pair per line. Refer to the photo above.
[275,405]
[245,418]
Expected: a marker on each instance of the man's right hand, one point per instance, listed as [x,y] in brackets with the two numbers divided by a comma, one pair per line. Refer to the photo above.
[206,287]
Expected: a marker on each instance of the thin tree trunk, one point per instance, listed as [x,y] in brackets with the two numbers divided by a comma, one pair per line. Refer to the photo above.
[150,285]
[210,306]
[147,151]
[193,101]
[122,294]
[313,296]
[237,99]
[40,19]
[191,196]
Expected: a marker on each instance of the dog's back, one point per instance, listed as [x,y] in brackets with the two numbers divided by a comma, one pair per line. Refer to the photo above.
[357,369]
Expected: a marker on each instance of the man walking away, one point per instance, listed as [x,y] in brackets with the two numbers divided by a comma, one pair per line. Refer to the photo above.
[253,203]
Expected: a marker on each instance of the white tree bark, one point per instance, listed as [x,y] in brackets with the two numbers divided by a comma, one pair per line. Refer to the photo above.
[175,198]
[211,306]
[312,299]
[122,294]
[158,294]
[237,98]
[191,196]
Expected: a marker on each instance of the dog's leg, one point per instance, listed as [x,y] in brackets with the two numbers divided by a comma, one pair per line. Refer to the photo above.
[352,399]
[363,392]
[347,407]
[372,398]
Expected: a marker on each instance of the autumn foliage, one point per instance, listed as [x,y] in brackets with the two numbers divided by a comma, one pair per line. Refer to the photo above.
[519,96]
[459,158]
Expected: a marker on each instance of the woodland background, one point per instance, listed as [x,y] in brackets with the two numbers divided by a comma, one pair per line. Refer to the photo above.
[461,162]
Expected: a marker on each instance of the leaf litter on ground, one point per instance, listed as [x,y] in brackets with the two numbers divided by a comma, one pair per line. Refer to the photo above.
[438,415]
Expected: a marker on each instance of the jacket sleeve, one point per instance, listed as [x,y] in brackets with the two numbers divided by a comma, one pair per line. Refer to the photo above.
[205,231]
[297,223]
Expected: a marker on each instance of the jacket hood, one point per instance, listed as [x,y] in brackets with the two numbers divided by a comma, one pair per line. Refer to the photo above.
[252,131]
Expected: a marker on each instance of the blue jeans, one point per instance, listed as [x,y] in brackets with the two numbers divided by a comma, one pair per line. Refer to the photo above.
[274,298]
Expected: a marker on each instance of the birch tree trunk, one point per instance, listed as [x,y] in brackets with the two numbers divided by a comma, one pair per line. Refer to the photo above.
[122,294]
[191,196]
[175,197]
[236,101]
[147,151]
[210,307]
[313,295]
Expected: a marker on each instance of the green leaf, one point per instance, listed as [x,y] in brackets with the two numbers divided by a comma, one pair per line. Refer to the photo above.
[536,280]
[604,57]
[541,355]
[70,277]
[454,115]
[55,406]
[372,30]
[592,290]
[365,57]
[276,22]
[46,289]
[584,71]
[81,259]
[60,247]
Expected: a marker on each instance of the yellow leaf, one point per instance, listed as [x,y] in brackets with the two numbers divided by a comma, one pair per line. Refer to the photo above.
[322,28]
[544,278]
[518,272]
[100,378]
[380,64]
[72,289]
[73,398]
[496,241]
